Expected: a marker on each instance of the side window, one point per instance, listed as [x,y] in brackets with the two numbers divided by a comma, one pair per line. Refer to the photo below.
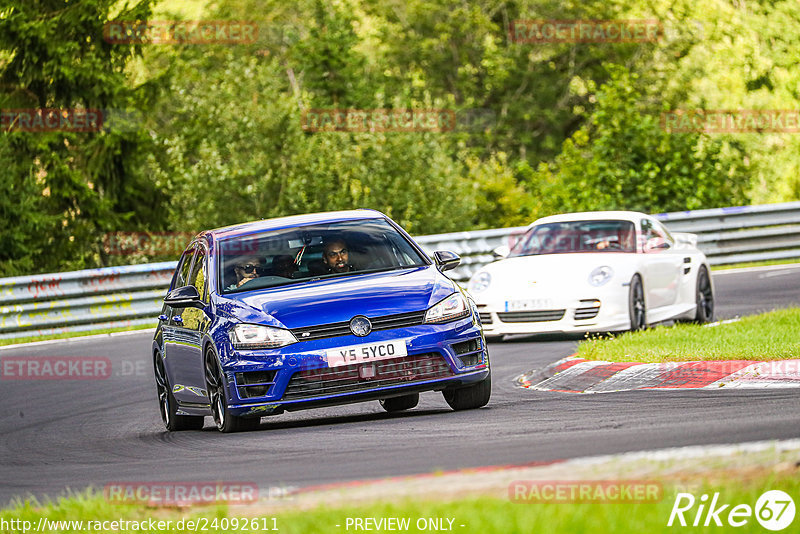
[183,269]
[198,276]
[663,231]
[654,240]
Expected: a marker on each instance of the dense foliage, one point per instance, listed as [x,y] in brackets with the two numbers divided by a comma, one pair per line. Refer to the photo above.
[200,136]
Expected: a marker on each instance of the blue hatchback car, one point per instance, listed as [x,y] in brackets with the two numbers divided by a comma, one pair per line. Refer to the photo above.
[310,311]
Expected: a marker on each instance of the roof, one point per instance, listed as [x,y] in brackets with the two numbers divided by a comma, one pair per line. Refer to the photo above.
[278,223]
[634,216]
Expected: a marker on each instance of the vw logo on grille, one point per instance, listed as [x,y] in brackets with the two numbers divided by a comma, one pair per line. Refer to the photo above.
[360,326]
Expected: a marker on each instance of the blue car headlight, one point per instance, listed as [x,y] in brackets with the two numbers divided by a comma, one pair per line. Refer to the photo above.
[259,336]
[480,282]
[449,309]
[601,275]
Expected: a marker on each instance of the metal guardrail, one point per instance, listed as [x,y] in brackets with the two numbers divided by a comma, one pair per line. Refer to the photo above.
[131,295]
[82,300]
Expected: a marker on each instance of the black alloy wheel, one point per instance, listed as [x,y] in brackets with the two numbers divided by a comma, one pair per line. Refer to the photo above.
[636,304]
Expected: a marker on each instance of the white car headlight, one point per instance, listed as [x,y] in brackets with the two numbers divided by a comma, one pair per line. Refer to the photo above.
[480,282]
[257,336]
[449,309]
[601,275]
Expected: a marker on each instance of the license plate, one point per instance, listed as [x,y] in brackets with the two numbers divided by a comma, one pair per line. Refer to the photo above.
[529,304]
[368,352]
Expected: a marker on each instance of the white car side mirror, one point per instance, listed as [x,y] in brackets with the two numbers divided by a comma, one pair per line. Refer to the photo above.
[501,252]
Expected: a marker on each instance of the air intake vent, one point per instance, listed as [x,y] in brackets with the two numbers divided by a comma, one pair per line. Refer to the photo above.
[588,310]
[254,383]
[531,316]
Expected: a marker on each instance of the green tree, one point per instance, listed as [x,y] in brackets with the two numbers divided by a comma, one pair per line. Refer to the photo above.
[624,159]
[64,189]
[232,148]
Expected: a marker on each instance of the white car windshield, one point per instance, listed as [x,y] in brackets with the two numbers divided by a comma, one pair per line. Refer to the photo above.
[577,236]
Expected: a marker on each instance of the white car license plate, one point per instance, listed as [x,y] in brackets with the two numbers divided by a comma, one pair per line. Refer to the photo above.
[368,352]
[529,304]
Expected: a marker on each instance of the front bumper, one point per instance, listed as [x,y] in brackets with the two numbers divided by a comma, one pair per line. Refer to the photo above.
[602,312]
[298,376]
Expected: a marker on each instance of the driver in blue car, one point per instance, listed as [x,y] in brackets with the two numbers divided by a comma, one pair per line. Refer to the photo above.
[335,256]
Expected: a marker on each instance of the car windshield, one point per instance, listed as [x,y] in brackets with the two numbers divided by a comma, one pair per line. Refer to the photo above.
[301,254]
[577,236]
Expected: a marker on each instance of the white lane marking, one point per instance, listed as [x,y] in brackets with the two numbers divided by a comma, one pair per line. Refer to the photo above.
[770,274]
[759,384]
[694,451]
[149,331]
[757,269]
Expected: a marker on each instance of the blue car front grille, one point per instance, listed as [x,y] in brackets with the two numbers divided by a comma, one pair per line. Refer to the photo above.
[347,378]
[386,322]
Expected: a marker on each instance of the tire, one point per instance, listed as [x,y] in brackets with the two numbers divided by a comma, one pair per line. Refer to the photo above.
[398,404]
[217,397]
[168,405]
[637,310]
[469,397]
[704,297]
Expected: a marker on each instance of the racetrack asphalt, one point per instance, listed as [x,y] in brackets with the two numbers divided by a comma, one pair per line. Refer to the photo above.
[58,434]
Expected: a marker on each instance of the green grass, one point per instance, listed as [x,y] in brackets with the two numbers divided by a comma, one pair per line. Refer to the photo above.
[67,335]
[765,263]
[484,515]
[769,336]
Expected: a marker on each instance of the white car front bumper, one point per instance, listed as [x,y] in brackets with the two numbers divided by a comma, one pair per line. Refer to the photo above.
[605,313]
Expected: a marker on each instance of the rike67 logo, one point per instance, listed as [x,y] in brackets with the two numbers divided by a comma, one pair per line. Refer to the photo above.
[774,510]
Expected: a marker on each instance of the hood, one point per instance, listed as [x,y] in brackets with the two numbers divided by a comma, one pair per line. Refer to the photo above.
[340,299]
[556,270]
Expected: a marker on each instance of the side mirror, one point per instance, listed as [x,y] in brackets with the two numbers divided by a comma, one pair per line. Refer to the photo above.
[184,297]
[446,260]
[656,243]
[501,252]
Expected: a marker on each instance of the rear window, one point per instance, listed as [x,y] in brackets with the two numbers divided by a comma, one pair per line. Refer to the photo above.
[303,254]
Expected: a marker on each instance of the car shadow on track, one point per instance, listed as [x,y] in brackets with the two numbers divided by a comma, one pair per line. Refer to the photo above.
[271,423]
[533,338]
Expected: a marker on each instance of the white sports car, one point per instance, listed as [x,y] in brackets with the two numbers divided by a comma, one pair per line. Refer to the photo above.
[593,272]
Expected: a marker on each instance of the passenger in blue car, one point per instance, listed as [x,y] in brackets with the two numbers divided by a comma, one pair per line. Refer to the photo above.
[246,269]
[335,256]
